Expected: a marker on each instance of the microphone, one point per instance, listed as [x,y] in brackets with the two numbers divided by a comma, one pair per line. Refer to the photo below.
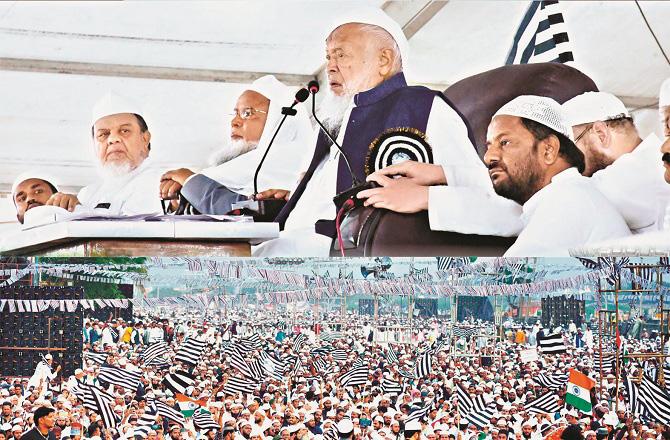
[300,96]
[313,87]
[356,185]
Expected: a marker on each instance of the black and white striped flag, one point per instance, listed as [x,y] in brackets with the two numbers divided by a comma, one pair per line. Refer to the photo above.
[236,385]
[331,336]
[553,344]
[542,36]
[463,398]
[144,424]
[166,411]
[123,378]
[202,419]
[103,408]
[423,365]
[83,392]
[96,357]
[178,381]
[635,405]
[446,263]
[322,367]
[478,412]
[390,386]
[355,376]
[191,351]
[419,413]
[236,360]
[391,355]
[608,363]
[339,355]
[655,399]
[154,351]
[554,381]
[321,350]
[272,366]
[299,342]
[545,404]
[114,333]
[250,343]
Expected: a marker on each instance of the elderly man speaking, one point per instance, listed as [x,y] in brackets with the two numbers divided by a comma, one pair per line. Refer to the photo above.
[255,119]
[122,144]
[377,119]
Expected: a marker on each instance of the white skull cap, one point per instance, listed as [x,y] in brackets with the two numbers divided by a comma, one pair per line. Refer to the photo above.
[664,95]
[113,104]
[594,106]
[540,109]
[377,17]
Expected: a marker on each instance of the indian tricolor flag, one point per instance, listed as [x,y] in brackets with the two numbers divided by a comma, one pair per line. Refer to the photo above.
[188,406]
[579,391]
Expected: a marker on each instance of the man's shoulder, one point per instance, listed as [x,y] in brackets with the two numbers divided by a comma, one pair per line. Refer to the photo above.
[30,435]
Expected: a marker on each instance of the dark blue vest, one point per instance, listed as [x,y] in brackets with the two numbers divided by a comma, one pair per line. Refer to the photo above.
[392,104]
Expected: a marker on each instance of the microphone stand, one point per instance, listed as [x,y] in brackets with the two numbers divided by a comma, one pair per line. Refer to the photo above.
[356,185]
[264,210]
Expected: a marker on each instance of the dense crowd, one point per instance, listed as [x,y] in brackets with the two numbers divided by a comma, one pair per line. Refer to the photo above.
[308,402]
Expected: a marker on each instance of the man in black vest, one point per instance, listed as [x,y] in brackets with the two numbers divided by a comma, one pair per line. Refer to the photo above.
[44,418]
[377,119]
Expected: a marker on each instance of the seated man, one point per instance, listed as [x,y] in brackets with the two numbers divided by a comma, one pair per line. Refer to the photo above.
[122,144]
[532,160]
[367,102]
[32,189]
[255,120]
[622,166]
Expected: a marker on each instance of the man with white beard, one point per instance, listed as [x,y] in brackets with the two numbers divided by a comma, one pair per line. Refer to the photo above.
[122,144]
[368,107]
[255,119]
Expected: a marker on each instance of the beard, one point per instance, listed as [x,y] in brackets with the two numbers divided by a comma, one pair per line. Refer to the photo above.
[114,169]
[332,109]
[595,160]
[234,149]
[522,183]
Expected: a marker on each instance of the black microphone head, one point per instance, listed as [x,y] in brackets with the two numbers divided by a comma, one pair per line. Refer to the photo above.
[313,86]
[301,95]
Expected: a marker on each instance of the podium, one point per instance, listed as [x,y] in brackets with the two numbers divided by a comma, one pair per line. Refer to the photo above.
[139,238]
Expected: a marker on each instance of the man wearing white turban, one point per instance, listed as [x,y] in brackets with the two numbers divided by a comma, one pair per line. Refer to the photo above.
[377,119]
[34,189]
[122,144]
[256,116]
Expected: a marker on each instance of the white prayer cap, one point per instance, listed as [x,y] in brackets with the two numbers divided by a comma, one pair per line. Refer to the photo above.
[113,104]
[48,356]
[345,426]
[377,17]
[540,109]
[664,95]
[594,106]
[33,174]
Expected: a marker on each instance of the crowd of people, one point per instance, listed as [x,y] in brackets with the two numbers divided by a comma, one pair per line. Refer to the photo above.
[584,157]
[308,400]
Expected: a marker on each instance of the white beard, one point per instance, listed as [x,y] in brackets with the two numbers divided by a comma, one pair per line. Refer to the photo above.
[231,151]
[113,169]
[332,110]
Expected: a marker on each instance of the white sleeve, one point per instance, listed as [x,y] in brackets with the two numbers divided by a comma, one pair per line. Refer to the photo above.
[472,211]
[468,204]
[448,137]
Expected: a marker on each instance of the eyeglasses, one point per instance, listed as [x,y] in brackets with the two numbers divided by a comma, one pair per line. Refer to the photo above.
[581,135]
[246,113]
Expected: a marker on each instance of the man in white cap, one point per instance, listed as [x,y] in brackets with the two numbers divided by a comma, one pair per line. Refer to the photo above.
[664,107]
[627,170]
[32,189]
[256,116]
[376,118]
[122,144]
[533,160]
[43,374]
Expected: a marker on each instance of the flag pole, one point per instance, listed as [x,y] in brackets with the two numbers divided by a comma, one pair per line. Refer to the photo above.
[617,286]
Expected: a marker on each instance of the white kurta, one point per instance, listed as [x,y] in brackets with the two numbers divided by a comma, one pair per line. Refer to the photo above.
[43,374]
[448,137]
[130,194]
[568,212]
[633,184]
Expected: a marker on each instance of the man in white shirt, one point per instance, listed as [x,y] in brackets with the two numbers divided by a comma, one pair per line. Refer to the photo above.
[122,142]
[367,108]
[532,160]
[256,117]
